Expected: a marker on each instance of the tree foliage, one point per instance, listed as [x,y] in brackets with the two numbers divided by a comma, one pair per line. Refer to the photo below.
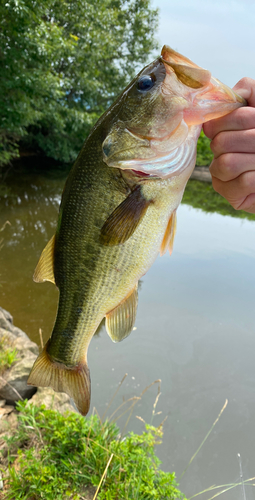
[62,63]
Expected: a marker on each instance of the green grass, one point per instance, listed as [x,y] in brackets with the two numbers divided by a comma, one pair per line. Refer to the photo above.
[7,356]
[204,153]
[202,195]
[55,457]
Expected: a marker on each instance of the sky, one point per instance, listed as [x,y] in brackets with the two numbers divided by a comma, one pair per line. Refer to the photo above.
[218,35]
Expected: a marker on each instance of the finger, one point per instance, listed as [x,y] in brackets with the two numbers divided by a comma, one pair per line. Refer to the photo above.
[228,166]
[246,88]
[240,119]
[237,190]
[248,204]
[240,141]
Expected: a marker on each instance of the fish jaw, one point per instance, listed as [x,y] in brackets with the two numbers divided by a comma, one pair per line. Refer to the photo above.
[206,97]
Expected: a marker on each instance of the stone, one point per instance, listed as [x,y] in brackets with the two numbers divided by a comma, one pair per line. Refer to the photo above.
[52,400]
[6,320]
[13,382]
[201,174]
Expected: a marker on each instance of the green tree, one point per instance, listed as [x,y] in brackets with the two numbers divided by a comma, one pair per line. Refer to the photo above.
[62,63]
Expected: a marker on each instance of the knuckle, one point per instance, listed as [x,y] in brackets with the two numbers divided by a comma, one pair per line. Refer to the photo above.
[227,166]
[245,118]
[216,185]
[247,181]
[220,167]
[209,129]
[244,82]
[235,204]
[218,143]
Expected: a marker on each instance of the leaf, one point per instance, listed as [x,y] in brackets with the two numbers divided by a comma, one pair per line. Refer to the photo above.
[62,64]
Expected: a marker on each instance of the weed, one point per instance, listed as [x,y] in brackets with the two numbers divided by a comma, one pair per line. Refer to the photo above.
[7,355]
[57,456]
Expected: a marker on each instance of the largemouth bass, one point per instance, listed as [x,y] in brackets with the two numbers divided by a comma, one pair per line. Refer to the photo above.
[118,211]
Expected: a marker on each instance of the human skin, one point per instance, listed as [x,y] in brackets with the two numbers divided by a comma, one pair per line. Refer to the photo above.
[233,146]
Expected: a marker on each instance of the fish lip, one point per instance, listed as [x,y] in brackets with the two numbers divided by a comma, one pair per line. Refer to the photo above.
[225,95]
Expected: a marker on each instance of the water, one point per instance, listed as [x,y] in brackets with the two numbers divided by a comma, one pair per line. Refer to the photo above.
[194,331]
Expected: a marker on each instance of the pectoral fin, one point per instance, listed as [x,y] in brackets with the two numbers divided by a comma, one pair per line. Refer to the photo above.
[120,321]
[124,220]
[44,270]
[169,235]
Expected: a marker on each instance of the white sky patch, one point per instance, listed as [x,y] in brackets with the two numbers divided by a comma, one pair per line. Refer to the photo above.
[217,35]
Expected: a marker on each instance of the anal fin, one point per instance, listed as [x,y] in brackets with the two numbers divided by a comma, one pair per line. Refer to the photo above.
[73,381]
[120,321]
[168,240]
[44,270]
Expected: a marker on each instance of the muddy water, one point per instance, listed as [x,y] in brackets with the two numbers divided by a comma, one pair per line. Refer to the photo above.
[195,331]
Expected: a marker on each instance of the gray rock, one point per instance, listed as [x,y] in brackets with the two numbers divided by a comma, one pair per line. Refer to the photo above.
[19,333]
[201,174]
[13,382]
[52,400]
[6,320]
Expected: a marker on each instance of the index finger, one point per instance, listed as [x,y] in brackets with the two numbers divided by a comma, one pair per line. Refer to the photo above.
[240,119]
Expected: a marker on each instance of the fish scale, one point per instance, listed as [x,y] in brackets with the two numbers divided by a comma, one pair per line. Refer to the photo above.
[118,211]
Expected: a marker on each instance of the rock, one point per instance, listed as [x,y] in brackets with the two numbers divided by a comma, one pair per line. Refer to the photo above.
[52,400]
[13,382]
[6,320]
[6,323]
[201,174]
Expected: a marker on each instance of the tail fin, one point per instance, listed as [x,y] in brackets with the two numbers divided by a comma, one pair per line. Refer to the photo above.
[74,382]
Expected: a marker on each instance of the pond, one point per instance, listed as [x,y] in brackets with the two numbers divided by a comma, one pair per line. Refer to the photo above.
[194,331]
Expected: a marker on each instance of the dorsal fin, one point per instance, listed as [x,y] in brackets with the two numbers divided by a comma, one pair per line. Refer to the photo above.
[120,321]
[169,235]
[123,221]
[44,270]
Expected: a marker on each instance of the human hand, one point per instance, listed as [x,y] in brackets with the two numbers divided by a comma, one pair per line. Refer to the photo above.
[233,146]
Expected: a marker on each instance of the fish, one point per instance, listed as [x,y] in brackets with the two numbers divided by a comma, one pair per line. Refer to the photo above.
[118,211]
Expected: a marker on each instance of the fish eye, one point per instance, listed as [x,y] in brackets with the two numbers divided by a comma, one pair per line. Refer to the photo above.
[145,83]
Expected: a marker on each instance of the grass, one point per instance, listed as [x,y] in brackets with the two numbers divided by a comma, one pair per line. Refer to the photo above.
[57,457]
[7,356]
[204,153]
[202,195]
[67,457]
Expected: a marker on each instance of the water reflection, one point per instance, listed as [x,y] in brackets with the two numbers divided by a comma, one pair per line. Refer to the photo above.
[194,331]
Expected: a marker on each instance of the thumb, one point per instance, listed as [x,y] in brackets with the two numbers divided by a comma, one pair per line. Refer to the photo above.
[246,88]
